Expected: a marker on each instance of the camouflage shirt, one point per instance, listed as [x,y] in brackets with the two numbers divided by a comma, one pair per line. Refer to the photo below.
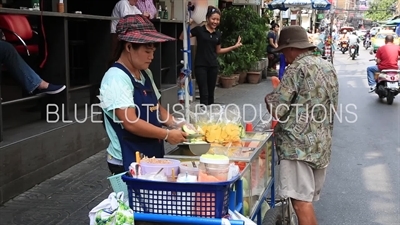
[305,103]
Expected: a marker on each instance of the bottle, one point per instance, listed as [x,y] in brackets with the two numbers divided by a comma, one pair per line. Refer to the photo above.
[35,5]
[165,16]
[160,12]
[181,96]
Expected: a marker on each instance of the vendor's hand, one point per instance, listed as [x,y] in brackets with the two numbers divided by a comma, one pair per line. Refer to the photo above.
[239,42]
[176,137]
[146,14]
[190,21]
[378,61]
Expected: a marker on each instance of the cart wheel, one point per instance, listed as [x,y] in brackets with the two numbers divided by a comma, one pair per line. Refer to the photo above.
[273,216]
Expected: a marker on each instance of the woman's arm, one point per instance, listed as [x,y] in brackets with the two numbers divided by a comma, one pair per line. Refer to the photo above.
[137,126]
[225,50]
[272,43]
[220,50]
[166,117]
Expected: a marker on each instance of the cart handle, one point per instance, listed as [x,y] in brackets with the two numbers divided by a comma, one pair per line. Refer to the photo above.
[160,218]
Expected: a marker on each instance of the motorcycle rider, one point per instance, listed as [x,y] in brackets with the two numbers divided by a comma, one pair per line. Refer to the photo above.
[367,36]
[354,40]
[386,59]
[343,38]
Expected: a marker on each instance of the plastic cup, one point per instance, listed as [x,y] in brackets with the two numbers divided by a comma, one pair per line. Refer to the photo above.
[274,123]
[249,127]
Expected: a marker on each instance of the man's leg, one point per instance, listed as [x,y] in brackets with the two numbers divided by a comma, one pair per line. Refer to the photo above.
[302,191]
[371,70]
[23,73]
[358,49]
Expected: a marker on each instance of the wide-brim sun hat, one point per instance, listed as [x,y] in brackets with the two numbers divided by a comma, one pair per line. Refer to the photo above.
[293,37]
[139,29]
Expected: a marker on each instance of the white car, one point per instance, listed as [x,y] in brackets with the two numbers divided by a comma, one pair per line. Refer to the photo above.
[361,33]
[375,30]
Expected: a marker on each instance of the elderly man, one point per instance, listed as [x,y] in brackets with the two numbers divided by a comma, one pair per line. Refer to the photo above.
[122,9]
[304,103]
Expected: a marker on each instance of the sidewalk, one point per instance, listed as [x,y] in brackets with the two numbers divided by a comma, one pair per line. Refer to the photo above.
[67,198]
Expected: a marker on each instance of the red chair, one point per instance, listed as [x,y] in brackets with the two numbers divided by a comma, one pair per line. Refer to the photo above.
[18,31]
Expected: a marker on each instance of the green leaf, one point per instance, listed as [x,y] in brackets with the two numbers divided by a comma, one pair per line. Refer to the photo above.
[380,10]
[247,23]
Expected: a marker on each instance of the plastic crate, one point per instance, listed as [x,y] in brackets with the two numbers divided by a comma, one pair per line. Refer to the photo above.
[208,200]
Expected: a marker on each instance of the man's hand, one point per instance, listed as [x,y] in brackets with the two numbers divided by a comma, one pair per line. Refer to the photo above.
[378,61]
[146,14]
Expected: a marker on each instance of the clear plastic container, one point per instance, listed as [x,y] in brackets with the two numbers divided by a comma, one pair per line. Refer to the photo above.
[187,167]
[213,168]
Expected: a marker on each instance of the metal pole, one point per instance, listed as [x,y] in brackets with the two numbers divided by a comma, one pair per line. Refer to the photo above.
[185,58]
[332,14]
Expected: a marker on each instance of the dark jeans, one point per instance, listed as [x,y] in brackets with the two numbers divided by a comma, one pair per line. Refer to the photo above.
[18,67]
[115,169]
[206,78]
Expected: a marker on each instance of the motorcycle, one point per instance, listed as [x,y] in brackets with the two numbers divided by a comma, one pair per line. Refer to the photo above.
[352,51]
[387,84]
[344,46]
[367,43]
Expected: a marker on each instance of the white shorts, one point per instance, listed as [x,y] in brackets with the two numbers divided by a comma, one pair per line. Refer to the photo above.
[297,180]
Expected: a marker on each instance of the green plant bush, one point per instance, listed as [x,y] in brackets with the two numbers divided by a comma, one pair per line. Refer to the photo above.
[247,23]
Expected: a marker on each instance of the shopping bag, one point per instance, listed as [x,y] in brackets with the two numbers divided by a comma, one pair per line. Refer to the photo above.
[112,211]
[238,216]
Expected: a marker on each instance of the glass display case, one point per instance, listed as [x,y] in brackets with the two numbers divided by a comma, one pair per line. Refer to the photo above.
[253,157]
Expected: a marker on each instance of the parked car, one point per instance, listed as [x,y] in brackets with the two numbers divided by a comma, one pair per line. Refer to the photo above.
[379,39]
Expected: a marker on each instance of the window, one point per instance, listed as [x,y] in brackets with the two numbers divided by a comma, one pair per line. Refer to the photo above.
[383,36]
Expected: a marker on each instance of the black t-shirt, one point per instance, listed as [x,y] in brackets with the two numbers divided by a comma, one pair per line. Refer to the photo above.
[272,35]
[206,53]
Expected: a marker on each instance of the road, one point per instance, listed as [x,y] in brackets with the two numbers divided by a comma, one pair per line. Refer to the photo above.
[363,179]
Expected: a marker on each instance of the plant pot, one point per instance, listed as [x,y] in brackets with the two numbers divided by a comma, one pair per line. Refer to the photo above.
[236,76]
[242,77]
[254,77]
[218,80]
[227,82]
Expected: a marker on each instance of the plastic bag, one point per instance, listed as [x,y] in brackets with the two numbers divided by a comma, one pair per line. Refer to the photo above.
[217,114]
[218,123]
[112,211]
[237,216]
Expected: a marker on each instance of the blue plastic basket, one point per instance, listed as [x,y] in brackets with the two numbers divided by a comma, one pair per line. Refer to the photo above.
[208,200]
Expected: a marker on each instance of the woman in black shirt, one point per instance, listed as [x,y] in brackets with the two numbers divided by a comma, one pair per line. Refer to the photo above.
[208,46]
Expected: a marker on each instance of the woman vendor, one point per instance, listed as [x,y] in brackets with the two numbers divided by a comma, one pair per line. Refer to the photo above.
[208,46]
[133,116]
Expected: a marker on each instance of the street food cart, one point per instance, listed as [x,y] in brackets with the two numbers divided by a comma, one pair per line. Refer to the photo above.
[246,194]
[199,201]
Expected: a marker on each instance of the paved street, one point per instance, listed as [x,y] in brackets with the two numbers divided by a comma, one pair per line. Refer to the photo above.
[363,181]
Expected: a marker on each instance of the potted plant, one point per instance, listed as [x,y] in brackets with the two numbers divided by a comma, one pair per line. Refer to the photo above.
[227,80]
[246,23]
[254,77]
